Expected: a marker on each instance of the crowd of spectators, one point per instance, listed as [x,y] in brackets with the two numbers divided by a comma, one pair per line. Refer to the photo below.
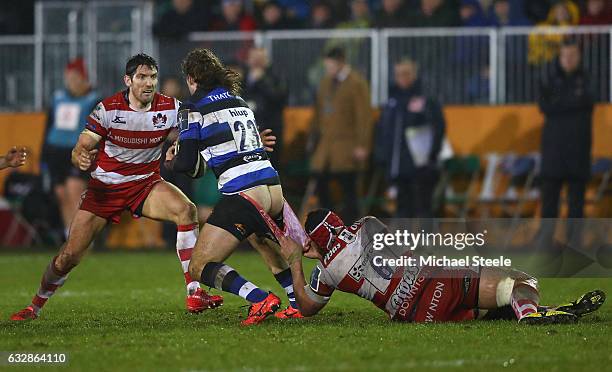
[178,17]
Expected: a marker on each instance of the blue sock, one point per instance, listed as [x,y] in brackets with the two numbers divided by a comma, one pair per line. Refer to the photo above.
[284,279]
[220,276]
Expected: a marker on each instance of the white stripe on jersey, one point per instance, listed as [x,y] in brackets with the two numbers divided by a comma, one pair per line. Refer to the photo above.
[132,156]
[113,178]
[194,117]
[218,150]
[242,169]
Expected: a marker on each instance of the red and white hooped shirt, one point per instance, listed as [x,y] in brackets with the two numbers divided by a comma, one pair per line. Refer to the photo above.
[131,141]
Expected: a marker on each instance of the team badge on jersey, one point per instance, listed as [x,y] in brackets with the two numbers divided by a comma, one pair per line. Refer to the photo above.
[159,120]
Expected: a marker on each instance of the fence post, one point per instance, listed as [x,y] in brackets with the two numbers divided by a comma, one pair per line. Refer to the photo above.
[38,56]
[73,17]
[91,40]
[147,26]
[493,66]
[136,31]
[374,68]
[500,65]
[384,66]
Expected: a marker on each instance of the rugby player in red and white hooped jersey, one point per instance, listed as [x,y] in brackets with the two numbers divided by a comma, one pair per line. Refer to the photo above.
[413,294]
[121,147]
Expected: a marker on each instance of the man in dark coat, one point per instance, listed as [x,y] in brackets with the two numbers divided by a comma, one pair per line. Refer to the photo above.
[567,104]
[408,142]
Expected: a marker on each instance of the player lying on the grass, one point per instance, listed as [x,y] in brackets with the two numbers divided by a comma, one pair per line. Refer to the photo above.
[14,158]
[218,129]
[418,294]
[121,147]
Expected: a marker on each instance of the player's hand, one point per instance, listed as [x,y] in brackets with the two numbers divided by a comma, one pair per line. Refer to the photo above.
[171,153]
[268,139]
[86,159]
[290,249]
[16,157]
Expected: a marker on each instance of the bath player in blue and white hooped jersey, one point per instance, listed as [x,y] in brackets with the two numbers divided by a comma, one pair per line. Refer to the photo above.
[218,130]
[225,128]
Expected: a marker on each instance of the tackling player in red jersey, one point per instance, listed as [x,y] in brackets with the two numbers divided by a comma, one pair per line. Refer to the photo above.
[121,147]
[413,294]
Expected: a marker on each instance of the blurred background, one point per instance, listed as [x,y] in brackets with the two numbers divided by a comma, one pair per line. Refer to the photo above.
[397,108]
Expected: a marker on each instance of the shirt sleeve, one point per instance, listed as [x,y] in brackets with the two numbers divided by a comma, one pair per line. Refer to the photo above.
[187,159]
[97,121]
[320,287]
[177,107]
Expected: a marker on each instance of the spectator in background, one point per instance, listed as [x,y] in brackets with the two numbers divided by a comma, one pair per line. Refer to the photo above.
[184,17]
[321,16]
[544,47]
[478,86]
[66,120]
[472,14]
[298,11]
[341,129]
[266,94]
[408,142]
[392,15]
[273,17]
[233,18]
[505,13]
[567,104]
[360,15]
[14,158]
[435,13]
[597,12]
[537,10]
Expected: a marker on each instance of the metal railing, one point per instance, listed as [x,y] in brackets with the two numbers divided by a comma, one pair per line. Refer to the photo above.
[457,65]
[18,84]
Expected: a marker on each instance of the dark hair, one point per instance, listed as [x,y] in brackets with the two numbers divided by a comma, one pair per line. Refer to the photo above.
[314,218]
[336,53]
[139,60]
[209,73]
[570,42]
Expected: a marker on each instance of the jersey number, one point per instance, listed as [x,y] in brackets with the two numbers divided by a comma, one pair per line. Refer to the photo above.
[246,136]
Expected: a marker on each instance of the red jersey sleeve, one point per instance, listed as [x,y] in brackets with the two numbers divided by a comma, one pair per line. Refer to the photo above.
[97,121]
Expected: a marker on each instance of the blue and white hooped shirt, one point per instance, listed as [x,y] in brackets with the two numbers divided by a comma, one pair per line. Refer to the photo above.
[229,140]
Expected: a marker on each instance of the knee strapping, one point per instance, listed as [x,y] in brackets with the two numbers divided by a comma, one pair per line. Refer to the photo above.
[503,294]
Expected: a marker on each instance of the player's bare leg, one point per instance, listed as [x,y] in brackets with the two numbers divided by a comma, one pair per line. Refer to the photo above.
[499,288]
[213,247]
[75,187]
[279,268]
[83,229]
[166,202]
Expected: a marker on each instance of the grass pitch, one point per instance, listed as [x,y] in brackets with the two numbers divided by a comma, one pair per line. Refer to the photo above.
[125,311]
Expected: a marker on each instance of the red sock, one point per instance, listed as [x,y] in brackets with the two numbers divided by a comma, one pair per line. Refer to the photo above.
[186,237]
[524,300]
[50,282]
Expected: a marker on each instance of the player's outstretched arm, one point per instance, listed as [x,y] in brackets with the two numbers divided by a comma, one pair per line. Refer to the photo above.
[292,253]
[14,158]
[84,152]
